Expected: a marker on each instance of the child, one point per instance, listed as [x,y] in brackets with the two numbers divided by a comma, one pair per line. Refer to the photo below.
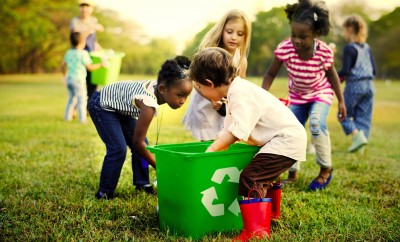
[86,23]
[312,80]
[232,32]
[122,113]
[77,61]
[254,116]
[359,71]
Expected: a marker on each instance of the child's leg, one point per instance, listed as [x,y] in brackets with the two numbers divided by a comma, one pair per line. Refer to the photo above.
[261,172]
[82,100]
[320,133]
[69,109]
[352,99]
[363,111]
[140,167]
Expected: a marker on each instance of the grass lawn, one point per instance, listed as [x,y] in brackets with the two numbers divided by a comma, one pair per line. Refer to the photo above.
[49,172]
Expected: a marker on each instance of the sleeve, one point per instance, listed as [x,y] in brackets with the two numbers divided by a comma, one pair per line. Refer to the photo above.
[86,58]
[349,60]
[244,113]
[372,61]
[148,101]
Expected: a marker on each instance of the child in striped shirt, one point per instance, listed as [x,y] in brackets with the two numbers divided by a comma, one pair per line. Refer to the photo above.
[122,113]
[313,80]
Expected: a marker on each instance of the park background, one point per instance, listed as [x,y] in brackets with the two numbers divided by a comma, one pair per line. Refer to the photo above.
[49,169]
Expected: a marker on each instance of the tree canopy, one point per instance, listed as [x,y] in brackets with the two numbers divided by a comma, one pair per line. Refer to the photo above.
[35,37]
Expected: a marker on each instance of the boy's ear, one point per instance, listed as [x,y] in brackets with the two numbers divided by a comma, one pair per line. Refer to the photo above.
[210,83]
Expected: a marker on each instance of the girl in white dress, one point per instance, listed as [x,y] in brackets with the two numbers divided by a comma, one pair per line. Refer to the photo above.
[232,32]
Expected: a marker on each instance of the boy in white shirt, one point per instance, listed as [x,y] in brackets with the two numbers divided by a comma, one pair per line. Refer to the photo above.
[253,116]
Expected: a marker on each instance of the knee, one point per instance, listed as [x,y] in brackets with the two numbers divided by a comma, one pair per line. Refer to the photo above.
[118,153]
[316,125]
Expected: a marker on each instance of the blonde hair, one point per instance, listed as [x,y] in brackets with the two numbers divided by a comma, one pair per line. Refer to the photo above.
[359,27]
[213,38]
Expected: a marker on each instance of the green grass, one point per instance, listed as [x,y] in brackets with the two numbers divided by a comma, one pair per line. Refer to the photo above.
[49,171]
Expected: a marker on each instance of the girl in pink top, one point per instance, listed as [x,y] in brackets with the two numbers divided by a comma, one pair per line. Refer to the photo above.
[313,80]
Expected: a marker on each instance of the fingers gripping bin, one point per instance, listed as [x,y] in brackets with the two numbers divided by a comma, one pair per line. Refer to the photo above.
[197,191]
[104,76]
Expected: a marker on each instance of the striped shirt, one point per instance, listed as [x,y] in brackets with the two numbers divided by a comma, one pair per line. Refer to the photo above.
[120,96]
[307,78]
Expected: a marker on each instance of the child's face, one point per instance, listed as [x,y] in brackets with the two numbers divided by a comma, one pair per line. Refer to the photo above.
[302,37]
[176,95]
[209,92]
[233,35]
[347,33]
[85,10]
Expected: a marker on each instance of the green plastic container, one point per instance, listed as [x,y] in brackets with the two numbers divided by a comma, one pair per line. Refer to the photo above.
[104,76]
[197,191]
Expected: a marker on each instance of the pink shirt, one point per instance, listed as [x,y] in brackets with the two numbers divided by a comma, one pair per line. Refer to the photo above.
[307,78]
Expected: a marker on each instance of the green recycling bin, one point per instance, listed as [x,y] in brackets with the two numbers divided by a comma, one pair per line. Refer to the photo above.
[104,76]
[197,191]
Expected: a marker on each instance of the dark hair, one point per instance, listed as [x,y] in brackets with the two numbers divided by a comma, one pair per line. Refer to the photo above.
[213,63]
[173,70]
[75,38]
[315,14]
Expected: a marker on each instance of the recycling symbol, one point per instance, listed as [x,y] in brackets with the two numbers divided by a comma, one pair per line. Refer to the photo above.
[210,194]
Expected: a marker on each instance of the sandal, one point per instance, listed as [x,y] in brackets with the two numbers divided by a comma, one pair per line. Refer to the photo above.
[315,185]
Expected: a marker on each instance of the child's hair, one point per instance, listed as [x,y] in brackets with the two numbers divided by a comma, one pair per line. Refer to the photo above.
[75,38]
[312,13]
[173,70]
[213,38]
[359,27]
[213,63]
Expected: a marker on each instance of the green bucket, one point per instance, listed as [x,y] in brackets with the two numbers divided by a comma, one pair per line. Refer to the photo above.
[104,76]
[197,191]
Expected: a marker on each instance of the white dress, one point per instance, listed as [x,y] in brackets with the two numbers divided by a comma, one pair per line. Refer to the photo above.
[200,117]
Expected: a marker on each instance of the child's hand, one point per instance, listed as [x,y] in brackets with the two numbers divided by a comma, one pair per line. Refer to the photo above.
[217,105]
[342,114]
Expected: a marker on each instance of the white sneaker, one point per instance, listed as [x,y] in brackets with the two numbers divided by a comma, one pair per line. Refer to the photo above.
[359,140]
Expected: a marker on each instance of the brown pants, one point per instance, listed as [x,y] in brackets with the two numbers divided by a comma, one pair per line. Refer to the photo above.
[261,172]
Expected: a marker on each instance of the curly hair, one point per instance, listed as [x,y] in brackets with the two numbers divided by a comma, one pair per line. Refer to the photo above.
[315,14]
[173,70]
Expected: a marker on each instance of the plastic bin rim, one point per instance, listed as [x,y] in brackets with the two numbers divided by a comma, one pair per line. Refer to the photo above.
[100,53]
[241,149]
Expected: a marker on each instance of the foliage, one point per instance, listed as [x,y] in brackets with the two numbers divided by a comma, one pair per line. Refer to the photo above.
[49,171]
[35,37]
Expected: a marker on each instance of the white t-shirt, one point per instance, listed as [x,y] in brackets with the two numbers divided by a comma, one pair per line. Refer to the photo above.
[200,116]
[256,117]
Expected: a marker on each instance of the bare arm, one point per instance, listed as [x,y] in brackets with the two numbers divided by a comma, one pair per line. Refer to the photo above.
[271,73]
[142,126]
[243,68]
[92,67]
[333,79]
[222,142]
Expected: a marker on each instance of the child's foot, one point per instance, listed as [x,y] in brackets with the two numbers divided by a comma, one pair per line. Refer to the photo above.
[291,178]
[322,180]
[104,195]
[359,140]
[147,189]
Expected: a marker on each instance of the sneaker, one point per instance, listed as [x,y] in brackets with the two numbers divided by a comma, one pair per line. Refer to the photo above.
[147,189]
[315,185]
[104,195]
[359,140]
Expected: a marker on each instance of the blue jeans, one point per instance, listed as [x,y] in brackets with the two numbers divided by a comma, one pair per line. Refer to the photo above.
[116,131]
[317,112]
[76,90]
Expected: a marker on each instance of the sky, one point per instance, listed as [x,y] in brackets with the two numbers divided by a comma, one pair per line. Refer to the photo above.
[182,19]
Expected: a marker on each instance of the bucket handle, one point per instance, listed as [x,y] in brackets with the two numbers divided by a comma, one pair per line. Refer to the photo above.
[253,189]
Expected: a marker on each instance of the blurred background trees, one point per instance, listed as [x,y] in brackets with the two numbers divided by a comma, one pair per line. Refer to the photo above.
[35,36]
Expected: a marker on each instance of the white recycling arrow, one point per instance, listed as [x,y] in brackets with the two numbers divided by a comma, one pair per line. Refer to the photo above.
[232,172]
[209,196]
[234,207]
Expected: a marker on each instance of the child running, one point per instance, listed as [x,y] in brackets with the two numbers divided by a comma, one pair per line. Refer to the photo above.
[232,32]
[359,72]
[313,80]
[253,116]
[122,113]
